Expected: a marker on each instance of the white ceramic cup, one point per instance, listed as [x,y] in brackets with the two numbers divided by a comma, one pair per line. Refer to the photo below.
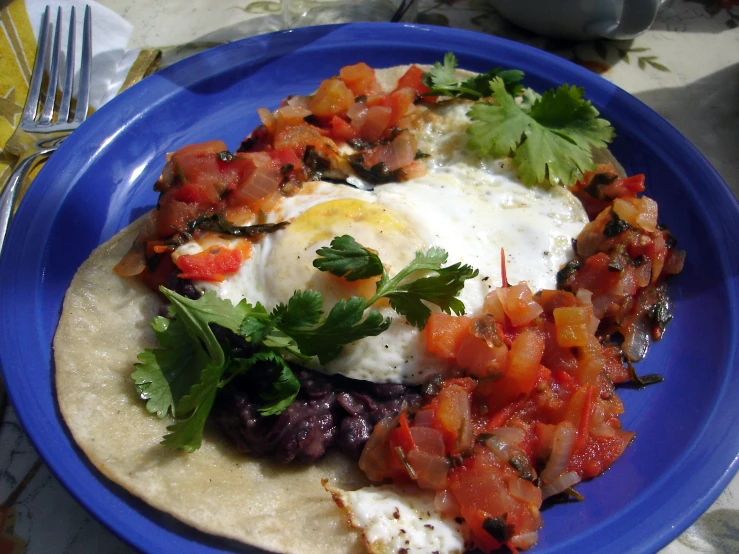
[581,19]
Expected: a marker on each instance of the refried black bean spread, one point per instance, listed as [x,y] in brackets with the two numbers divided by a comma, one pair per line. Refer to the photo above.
[329,412]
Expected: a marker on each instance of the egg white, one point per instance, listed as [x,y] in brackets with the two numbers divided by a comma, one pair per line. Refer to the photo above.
[394,518]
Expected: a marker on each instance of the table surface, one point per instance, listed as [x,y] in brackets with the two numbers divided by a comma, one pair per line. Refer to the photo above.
[686,67]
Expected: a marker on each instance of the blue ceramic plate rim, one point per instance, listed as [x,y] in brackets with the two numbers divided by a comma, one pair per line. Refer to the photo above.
[26,330]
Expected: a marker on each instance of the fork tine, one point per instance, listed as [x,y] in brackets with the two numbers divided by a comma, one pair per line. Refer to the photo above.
[34,89]
[69,74]
[50,97]
[83,96]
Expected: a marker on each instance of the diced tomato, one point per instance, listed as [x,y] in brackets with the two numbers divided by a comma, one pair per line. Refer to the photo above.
[401,436]
[375,123]
[614,365]
[332,98]
[201,149]
[212,264]
[444,333]
[342,130]
[480,487]
[519,304]
[412,78]
[454,415]
[360,78]
[479,359]
[297,138]
[162,275]
[523,368]
[400,101]
[399,153]
[600,453]
[572,326]
[174,215]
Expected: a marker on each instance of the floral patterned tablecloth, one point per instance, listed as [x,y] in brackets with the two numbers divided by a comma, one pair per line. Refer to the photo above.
[686,67]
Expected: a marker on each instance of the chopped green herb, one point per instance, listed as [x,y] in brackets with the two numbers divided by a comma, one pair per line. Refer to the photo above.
[184,375]
[442,81]
[550,137]
[615,227]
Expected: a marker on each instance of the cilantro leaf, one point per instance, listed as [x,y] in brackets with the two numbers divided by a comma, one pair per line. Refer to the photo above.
[304,308]
[164,375]
[441,289]
[187,434]
[254,326]
[442,81]
[348,259]
[343,325]
[285,387]
[550,137]
[407,299]
[210,309]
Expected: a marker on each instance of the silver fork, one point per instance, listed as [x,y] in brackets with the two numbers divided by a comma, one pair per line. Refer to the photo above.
[42,131]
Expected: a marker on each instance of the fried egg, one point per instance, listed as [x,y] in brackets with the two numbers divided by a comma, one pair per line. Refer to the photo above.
[400,519]
[470,208]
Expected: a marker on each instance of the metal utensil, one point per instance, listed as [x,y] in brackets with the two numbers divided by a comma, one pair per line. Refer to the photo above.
[42,131]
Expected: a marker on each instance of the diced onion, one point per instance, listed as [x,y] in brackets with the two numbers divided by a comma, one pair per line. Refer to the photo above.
[588,241]
[636,339]
[298,101]
[647,218]
[564,440]
[500,448]
[357,114]
[603,430]
[445,502]
[264,181]
[525,491]
[424,418]
[268,119]
[511,435]
[561,484]
[359,183]
[524,541]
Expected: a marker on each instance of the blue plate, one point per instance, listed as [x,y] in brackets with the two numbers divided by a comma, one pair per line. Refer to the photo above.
[101,179]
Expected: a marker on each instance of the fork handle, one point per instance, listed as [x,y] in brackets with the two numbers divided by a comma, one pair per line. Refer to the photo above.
[10,192]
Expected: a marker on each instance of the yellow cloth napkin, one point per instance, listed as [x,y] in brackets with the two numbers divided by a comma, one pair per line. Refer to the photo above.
[113,66]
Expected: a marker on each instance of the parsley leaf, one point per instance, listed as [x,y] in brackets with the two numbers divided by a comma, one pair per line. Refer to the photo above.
[442,81]
[550,137]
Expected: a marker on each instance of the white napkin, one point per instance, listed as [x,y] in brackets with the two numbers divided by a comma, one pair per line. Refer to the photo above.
[110,34]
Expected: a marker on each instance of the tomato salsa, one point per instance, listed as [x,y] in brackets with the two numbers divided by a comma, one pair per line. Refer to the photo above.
[348,127]
[533,408]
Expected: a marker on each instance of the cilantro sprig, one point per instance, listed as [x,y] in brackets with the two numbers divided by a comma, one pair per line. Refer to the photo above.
[442,81]
[549,136]
[346,258]
[193,363]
